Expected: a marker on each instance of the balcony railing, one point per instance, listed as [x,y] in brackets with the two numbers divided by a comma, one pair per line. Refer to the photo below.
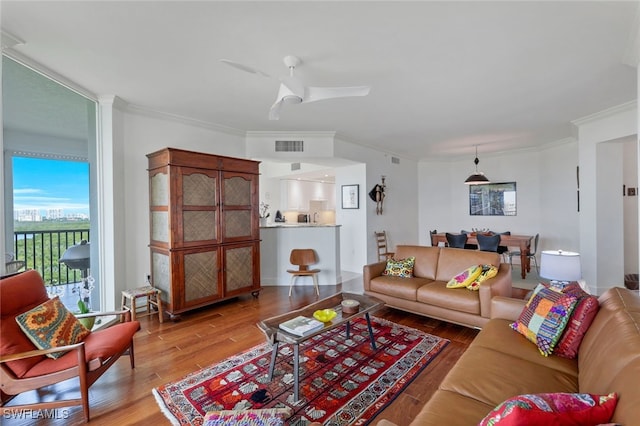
[42,250]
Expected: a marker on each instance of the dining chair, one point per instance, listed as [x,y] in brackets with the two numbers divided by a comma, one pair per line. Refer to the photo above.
[456,240]
[432,235]
[303,258]
[469,246]
[381,243]
[503,251]
[531,256]
[488,242]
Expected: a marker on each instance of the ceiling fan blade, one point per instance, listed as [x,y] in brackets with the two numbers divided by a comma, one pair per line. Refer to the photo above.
[243,67]
[274,112]
[313,94]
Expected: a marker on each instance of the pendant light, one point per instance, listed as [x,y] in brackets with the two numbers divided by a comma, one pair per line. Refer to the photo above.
[477,177]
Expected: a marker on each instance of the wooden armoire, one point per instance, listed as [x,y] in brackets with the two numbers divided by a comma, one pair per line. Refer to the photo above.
[205,235]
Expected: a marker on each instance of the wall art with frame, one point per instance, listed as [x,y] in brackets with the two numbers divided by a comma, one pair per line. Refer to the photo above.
[351,196]
[493,199]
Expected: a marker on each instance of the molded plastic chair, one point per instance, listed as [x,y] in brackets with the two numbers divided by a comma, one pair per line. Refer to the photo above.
[531,256]
[469,246]
[488,242]
[303,258]
[503,250]
[24,367]
[456,240]
[381,242]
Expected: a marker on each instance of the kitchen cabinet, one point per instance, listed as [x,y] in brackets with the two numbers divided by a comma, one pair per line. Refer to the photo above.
[296,194]
[205,238]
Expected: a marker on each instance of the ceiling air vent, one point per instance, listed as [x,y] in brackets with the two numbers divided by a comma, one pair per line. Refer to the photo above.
[395,160]
[289,146]
[295,166]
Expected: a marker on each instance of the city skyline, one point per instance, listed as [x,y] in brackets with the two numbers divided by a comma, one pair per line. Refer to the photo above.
[47,184]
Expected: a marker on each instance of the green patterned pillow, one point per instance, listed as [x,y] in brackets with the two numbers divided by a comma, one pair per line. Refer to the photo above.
[402,268]
[50,325]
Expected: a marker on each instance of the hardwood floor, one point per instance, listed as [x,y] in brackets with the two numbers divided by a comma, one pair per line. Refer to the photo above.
[168,351]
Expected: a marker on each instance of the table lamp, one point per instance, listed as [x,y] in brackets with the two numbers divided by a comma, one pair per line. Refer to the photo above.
[560,267]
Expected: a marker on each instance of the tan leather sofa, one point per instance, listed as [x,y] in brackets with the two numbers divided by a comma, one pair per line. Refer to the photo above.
[500,364]
[426,293]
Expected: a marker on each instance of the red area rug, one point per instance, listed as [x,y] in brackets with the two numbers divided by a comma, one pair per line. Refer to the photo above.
[342,381]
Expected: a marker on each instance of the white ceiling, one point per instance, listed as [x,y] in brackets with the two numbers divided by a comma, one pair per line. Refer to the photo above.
[445,76]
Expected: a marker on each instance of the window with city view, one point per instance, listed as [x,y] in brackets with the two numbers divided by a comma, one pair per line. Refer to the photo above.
[51,213]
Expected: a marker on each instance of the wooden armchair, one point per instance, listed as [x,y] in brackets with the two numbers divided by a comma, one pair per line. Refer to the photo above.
[23,367]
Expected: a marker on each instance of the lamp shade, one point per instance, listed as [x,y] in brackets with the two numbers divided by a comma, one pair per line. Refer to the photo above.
[558,265]
[476,178]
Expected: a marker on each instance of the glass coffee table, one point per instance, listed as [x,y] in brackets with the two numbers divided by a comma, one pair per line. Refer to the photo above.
[275,335]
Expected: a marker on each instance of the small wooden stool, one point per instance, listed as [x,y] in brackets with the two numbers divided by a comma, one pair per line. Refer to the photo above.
[153,299]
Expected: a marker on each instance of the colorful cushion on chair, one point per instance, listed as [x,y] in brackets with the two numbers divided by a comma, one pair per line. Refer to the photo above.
[51,325]
[466,277]
[402,268]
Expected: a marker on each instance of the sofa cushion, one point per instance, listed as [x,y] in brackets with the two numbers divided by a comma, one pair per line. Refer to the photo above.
[465,278]
[402,268]
[50,325]
[436,293]
[426,259]
[545,317]
[402,288]
[553,408]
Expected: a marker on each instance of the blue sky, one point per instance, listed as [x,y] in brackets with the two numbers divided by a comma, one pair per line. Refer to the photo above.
[45,184]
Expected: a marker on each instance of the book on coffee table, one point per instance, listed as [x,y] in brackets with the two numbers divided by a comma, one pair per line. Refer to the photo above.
[301,326]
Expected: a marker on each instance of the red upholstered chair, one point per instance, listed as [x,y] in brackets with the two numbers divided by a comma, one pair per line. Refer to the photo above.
[23,367]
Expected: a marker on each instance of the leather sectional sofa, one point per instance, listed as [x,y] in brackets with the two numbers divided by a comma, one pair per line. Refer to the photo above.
[426,292]
[500,364]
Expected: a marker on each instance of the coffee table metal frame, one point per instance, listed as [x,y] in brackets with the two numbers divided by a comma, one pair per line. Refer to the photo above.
[275,335]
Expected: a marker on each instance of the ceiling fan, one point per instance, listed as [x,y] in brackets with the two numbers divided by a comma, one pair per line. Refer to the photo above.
[293,91]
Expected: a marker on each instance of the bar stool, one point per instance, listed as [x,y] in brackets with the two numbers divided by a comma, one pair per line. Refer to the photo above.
[153,296]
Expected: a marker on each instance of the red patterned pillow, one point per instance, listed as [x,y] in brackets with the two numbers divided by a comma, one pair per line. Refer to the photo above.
[50,325]
[553,409]
[579,322]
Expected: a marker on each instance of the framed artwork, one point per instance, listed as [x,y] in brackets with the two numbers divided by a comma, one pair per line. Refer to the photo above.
[492,199]
[350,196]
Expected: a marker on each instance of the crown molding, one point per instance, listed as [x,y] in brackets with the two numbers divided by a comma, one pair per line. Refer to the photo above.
[290,133]
[628,106]
[9,40]
[49,73]
[148,112]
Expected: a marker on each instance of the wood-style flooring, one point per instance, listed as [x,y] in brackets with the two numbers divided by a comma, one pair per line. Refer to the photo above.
[168,351]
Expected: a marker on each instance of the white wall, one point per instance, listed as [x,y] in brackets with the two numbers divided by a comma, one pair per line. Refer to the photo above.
[142,135]
[614,124]
[546,195]
[630,206]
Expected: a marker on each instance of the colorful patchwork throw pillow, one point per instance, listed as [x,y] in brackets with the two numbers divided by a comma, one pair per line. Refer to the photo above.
[488,271]
[545,317]
[402,268]
[466,277]
[51,325]
[264,417]
[553,408]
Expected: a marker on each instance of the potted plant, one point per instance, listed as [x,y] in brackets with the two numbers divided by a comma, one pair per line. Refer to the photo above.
[84,309]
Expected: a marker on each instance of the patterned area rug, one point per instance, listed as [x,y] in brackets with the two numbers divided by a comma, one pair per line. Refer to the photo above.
[342,381]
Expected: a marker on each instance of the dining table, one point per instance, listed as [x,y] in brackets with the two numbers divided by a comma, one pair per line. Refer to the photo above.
[523,242]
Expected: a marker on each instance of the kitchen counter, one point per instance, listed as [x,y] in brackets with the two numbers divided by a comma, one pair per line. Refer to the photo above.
[277,241]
